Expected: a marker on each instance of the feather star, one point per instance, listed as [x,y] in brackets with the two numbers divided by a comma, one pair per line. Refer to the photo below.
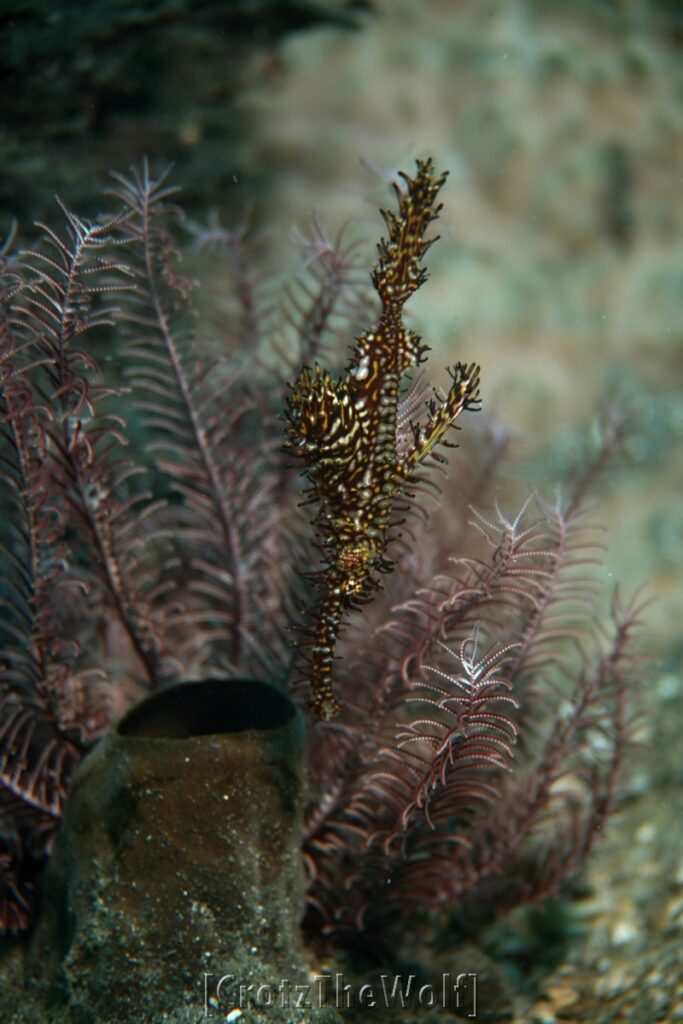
[345,431]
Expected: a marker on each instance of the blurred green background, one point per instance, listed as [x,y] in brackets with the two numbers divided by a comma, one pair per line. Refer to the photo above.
[560,268]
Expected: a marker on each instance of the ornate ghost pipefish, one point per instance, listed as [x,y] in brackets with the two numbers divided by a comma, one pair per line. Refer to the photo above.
[345,431]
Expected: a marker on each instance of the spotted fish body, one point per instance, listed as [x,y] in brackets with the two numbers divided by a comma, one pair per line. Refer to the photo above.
[345,431]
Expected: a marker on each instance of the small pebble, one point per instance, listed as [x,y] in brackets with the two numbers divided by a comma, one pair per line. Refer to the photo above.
[611,985]
[646,832]
[543,1013]
[561,995]
[624,932]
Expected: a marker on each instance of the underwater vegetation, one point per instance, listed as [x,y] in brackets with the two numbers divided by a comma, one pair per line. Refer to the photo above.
[153,531]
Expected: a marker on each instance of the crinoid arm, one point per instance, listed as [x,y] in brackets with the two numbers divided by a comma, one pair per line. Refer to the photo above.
[347,433]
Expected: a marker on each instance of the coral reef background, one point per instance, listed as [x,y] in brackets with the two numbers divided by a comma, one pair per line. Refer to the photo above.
[561,260]
[559,271]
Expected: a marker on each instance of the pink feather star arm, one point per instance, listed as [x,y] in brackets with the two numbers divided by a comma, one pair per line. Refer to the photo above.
[345,431]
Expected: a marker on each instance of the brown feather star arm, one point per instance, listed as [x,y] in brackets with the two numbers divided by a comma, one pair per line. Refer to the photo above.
[345,431]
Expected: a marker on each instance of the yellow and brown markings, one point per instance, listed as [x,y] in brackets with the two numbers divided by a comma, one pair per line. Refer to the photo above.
[345,431]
